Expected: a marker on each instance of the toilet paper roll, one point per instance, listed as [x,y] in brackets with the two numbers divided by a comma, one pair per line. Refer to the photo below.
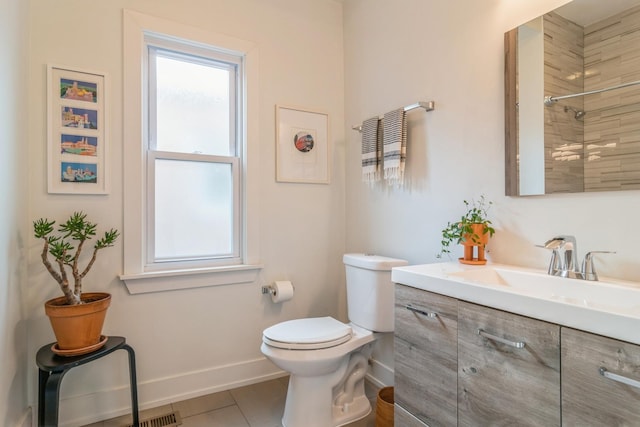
[282,291]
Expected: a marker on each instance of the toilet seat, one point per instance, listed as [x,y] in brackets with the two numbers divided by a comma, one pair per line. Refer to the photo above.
[312,333]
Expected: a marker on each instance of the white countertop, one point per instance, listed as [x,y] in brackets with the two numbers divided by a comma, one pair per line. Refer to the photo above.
[607,307]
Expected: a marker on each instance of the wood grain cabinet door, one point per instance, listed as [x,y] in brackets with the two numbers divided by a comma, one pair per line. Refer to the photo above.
[600,381]
[508,369]
[402,418]
[426,356]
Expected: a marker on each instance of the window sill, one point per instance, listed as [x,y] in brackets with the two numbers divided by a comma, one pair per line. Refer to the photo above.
[159,281]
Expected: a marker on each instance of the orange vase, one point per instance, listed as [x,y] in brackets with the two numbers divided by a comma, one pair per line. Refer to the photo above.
[478,246]
[78,328]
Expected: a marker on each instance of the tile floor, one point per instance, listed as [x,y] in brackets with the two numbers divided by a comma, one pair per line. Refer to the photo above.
[258,405]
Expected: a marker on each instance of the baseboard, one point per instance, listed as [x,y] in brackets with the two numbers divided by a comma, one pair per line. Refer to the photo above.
[115,402]
[380,374]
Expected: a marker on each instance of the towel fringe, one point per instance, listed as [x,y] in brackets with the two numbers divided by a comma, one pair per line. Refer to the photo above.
[371,177]
[394,175]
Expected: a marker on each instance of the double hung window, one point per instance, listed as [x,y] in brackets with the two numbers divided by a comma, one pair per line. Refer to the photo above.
[190,126]
[193,156]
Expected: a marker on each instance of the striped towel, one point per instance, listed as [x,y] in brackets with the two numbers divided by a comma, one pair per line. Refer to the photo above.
[395,146]
[371,150]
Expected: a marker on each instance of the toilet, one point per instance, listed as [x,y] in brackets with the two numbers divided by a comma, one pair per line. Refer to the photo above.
[327,359]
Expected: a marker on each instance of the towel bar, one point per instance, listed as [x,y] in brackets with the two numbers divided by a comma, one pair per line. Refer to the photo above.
[428,106]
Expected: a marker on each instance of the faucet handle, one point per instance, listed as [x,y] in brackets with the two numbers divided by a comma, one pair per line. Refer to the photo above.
[555,243]
[555,263]
[589,268]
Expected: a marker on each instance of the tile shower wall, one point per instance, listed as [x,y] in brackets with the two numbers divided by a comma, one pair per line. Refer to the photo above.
[563,134]
[601,152]
[612,123]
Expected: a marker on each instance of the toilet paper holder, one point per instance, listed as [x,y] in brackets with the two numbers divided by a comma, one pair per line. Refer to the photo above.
[268,290]
[280,290]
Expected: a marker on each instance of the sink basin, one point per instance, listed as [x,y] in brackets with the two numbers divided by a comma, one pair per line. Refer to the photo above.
[607,307]
[603,295]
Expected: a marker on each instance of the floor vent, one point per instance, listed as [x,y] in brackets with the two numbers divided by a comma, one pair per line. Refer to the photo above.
[168,420]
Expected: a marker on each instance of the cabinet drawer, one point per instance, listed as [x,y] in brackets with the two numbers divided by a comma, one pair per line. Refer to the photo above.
[426,355]
[590,399]
[499,383]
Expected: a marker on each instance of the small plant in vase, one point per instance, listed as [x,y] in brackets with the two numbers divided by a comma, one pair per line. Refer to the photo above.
[65,247]
[473,230]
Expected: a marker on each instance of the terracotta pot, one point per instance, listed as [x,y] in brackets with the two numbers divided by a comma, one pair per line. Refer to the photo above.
[478,230]
[78,328]
[469,245]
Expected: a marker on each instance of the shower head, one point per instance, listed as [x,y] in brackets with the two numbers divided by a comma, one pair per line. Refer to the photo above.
[577,114]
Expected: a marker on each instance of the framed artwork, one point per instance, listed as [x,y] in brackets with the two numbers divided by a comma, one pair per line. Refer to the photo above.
[302,145]
[77,145]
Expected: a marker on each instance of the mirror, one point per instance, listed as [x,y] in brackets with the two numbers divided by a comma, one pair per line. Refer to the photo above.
[584,57]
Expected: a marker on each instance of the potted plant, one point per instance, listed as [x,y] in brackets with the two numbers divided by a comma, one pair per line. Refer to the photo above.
[76,317]
[473,230]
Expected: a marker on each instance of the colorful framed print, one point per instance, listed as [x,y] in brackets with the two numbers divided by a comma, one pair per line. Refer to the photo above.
[302,145]
[77,147]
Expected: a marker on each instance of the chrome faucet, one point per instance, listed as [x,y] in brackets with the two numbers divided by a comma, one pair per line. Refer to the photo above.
[564,259]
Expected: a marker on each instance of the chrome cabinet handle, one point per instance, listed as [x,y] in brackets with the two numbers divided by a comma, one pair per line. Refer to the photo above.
[515,344]
[619,378]
[421,311]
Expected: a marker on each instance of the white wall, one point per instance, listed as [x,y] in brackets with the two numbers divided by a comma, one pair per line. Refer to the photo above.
[197,341]
[399,52]
[14,175]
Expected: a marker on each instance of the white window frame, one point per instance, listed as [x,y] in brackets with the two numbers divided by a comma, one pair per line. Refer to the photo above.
[169,47]
[138,275]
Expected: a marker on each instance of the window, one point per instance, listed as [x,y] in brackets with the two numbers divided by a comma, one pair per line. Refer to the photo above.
[193,155]
[186,156]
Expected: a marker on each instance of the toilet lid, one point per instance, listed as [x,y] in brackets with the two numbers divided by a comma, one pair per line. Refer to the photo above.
[307,334]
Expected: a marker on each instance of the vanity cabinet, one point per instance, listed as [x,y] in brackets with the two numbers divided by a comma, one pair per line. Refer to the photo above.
[426,355]
[588,397]
[449,374]
[518,341]
[404,418]
[508,369]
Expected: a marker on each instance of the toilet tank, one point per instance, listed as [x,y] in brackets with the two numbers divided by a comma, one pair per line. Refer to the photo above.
[370,292]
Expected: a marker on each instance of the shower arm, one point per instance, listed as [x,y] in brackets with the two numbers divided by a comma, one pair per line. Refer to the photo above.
[550,100]
[578,114]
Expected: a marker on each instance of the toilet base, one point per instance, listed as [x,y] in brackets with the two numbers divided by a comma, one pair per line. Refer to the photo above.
[326,386]
[358,409]
[318,409]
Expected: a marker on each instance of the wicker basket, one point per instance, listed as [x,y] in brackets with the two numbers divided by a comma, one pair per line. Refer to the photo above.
[384,407]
